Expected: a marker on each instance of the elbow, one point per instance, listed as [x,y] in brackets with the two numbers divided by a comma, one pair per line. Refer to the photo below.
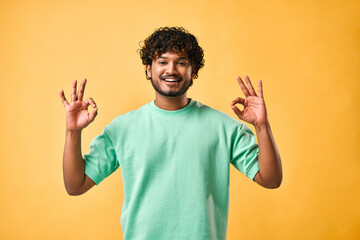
[272,182]
[73,191]
[76,188]
[275,183]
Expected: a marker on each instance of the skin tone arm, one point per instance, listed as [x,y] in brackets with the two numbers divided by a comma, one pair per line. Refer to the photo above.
[254,112]
[77,118]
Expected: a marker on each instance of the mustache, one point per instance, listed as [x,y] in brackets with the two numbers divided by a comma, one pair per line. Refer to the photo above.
[178,78]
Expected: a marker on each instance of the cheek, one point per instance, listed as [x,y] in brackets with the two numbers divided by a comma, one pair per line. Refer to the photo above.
[189,72]
[156,71]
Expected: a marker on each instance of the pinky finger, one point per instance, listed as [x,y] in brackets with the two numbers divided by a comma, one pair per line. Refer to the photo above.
[63,98]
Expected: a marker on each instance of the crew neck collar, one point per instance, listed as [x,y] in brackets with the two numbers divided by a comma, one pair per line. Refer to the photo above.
[185,109]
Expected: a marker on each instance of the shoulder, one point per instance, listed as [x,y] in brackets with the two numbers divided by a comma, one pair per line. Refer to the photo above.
[216,115]
[126,118]
[221,122]
[129,116]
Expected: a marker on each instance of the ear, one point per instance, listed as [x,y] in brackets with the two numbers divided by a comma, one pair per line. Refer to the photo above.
[193,74]
[148,71]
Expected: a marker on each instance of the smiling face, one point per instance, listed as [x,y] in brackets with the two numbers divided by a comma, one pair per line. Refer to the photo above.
[171,74]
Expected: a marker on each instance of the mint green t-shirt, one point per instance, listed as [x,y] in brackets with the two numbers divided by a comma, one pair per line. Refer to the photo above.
[175,167]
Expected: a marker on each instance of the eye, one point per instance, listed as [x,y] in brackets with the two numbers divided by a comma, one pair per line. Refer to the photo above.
[182,63]
[162,62]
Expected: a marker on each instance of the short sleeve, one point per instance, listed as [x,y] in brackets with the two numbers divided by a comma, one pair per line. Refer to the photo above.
[101,160]
[245,151]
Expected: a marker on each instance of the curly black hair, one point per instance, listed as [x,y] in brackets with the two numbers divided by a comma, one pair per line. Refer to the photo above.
[175,39]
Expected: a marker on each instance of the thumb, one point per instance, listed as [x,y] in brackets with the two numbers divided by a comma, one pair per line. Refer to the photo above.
[237,111]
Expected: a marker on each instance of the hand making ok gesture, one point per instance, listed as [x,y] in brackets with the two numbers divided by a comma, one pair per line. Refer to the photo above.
[77,115]
[254,111]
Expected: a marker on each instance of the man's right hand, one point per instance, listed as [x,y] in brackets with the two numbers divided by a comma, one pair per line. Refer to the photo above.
[77,115]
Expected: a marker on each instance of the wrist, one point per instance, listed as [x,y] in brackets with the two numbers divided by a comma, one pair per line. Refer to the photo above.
[73,132]
[262,127]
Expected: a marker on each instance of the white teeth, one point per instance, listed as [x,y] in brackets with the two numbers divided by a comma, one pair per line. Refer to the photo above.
[170,80]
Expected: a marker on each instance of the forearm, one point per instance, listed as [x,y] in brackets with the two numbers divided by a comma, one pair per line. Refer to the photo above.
[270,169]
[73,163]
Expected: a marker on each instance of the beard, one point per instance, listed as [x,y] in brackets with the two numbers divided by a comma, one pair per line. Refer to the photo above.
[171,93]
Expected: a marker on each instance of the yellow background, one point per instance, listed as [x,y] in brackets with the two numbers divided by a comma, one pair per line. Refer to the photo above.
[306,52]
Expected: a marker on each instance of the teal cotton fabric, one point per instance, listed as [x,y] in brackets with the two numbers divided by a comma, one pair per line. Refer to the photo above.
[175,167]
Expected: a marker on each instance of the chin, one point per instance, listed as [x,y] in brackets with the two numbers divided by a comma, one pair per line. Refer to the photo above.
[170,94]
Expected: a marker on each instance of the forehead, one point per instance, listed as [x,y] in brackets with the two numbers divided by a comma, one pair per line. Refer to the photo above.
[172,55]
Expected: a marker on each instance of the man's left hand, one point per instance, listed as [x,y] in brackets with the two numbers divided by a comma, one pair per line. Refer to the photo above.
[254,111]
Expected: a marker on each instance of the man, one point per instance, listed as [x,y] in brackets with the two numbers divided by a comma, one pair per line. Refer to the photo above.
[174,152]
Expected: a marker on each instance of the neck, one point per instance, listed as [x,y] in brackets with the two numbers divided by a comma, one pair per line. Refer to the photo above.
[171,103]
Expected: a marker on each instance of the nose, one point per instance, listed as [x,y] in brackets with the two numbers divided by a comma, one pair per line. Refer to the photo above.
[171,68]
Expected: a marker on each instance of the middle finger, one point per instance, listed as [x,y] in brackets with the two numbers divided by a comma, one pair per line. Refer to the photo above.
[73,91]
[81,90]
[250,86]
[243,87]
